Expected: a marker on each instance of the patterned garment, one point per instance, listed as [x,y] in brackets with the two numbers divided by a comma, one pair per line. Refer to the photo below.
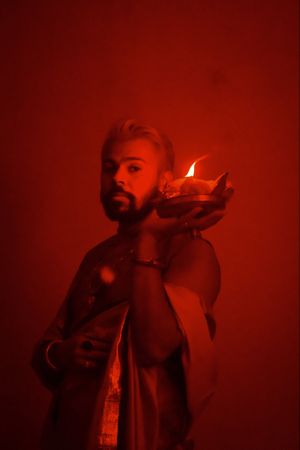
[123,406]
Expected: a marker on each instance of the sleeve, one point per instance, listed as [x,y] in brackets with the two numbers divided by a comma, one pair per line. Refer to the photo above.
[195,266]
[192,285]
[49,377]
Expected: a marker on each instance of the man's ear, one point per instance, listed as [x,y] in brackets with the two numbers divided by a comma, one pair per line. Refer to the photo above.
[165,178]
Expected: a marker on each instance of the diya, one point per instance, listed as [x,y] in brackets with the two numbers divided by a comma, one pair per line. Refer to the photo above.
[183,194]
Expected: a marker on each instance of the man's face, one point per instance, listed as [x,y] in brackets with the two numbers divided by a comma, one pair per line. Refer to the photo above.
[130,179]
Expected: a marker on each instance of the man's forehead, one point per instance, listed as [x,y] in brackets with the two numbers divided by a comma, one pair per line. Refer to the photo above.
[137,149]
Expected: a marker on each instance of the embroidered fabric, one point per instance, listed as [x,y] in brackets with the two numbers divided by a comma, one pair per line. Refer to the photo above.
[107,438]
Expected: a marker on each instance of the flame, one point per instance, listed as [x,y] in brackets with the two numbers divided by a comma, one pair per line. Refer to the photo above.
[191,170]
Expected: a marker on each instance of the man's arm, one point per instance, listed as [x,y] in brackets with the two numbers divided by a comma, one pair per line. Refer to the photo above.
[58,351]
[48,376]
[156,334]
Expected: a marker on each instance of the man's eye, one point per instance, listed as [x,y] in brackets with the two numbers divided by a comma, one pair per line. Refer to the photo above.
[109,168]
[134,168]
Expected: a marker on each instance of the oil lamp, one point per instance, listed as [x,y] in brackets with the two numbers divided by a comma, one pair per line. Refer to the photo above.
[183,194]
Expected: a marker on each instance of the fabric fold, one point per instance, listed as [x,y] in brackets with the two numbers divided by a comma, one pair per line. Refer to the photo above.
[103,433]
[198,353]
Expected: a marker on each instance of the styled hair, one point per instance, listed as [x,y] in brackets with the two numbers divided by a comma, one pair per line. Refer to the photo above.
[129,129]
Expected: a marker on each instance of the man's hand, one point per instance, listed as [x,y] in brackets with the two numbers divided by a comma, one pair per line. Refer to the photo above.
[80,351]
[162,228]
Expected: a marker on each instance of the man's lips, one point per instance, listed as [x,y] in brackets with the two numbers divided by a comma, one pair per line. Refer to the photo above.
[117,196]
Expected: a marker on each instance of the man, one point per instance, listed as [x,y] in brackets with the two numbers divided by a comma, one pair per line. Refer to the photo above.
[129,356]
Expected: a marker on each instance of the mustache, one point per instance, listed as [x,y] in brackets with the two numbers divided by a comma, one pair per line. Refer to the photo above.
[119,190]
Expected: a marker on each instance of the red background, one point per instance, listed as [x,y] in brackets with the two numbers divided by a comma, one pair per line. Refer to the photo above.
[219,78]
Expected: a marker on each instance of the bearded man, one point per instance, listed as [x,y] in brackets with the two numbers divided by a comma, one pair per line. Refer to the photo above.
[129,356]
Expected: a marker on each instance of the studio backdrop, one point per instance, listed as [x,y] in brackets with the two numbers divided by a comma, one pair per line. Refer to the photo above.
[220,78]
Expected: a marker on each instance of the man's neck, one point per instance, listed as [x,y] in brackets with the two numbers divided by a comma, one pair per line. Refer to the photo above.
[131,226]
[127,228]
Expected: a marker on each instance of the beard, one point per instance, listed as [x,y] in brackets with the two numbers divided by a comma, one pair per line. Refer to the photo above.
[115,210]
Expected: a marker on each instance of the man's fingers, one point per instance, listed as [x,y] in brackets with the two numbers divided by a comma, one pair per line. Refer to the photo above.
[99,346]
[96,355]
[91,360]
[208,220]
[94,345]
[191,214]
[105,337]
[86,364]
[190,220]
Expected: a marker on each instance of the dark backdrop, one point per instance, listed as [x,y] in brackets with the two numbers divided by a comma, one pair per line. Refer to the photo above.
[220,77]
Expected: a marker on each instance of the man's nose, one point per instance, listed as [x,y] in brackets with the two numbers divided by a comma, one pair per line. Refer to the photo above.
[120,176]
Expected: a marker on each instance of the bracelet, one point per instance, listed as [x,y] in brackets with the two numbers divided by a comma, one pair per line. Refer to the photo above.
[150,262]
[46,354]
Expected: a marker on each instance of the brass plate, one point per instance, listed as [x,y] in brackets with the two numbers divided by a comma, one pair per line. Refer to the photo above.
[182,204]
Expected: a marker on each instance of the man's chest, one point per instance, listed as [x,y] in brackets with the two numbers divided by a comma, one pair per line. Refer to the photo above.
[104,283]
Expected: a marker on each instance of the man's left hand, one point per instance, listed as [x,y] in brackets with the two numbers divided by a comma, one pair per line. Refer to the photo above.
[162,228]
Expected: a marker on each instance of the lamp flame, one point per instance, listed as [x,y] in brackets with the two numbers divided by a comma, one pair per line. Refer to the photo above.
[191,170]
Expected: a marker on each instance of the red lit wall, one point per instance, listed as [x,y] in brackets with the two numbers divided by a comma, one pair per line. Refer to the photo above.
[220,77]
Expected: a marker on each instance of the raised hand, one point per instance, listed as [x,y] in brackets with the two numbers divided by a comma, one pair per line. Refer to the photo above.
[197,218]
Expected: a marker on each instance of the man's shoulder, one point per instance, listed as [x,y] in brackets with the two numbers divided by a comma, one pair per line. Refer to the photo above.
[194,265]
[184,244]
